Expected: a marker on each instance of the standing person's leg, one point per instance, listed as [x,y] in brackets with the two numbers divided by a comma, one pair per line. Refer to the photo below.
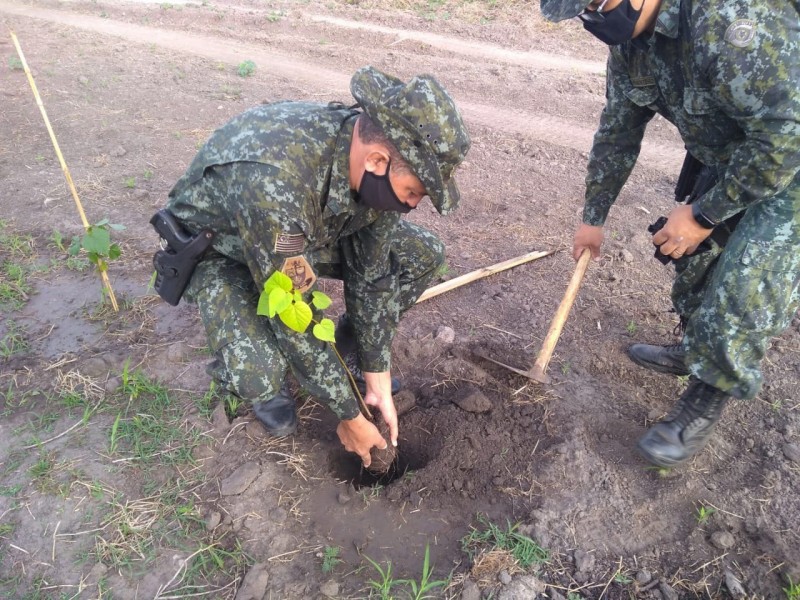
[751,297]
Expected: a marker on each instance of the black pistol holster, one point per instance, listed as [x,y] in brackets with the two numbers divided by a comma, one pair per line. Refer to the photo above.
[175,262]
[694,181]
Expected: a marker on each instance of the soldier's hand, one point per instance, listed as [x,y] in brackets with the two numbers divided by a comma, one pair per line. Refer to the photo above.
[587,236]
[360,436]
[681,235]
[379,395]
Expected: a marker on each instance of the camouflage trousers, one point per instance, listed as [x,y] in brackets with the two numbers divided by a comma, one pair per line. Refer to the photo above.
[255,353]
[737,298]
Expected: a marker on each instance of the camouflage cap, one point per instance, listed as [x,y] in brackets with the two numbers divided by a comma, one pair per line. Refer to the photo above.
[558,10]
[422,121]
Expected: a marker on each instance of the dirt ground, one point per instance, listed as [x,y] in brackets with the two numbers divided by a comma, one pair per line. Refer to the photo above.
[124,474]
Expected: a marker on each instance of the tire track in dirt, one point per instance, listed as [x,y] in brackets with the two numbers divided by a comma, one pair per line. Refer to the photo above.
[540,126]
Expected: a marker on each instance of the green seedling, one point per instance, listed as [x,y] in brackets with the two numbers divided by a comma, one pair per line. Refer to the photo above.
[280,298]
[631,328]
[232,405]
[96,242]
[14,341]
[15,64]
[420,589]
[703,514]
[330,558]
[130,182]
[385,583]
[148,174]
[246,68]
[793,591]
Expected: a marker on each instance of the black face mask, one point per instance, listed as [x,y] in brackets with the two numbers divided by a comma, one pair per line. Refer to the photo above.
[616,26]
[376,192]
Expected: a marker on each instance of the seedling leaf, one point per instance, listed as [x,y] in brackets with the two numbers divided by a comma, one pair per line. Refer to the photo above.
[297,316]
[325,330]
[320,300]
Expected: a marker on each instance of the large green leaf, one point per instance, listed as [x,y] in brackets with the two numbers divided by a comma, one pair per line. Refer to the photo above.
[279,301]
[325,330]
[320,300]
[297,317]
[97,240]
[280,280]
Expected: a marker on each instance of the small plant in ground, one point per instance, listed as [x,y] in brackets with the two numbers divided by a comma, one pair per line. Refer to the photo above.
[385,583]
[632,327]
[232,406]
[14,341]
[148,174]
[130,182]
[524,550]
[330,558]
[246,68]
[15,64]
[96,242]
[703,514]
[793,591]
[420,589]
[662,472]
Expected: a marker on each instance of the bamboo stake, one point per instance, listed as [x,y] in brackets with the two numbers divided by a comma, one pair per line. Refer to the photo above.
[481,273]
[103,274]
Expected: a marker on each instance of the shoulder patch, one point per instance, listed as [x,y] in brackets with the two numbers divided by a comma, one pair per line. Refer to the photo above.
[289,243]
[740,33]
[300,272]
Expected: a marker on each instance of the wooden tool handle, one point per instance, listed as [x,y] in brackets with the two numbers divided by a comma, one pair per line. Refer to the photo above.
[539,369]
[481,273]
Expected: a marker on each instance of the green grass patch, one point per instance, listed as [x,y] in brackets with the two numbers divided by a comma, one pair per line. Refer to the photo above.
[14,341]
[150,428]
[488,536]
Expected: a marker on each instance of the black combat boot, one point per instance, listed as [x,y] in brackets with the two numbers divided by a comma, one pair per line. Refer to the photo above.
[346,344]
[685,430]
[278,415]
[664,359]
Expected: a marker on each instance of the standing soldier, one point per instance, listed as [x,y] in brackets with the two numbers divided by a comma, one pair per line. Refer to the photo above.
[314,191]
[726,74]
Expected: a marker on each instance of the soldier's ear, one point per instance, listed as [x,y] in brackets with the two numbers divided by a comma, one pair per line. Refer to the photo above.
[376,161]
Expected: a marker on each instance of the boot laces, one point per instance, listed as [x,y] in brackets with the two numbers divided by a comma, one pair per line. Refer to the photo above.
[699,406]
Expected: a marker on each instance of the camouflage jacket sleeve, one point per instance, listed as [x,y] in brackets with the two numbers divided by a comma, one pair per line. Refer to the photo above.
[617,141]
[370,290]
[755,82]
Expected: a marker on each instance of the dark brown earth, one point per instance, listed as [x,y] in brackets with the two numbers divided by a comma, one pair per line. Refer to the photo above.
[132,90]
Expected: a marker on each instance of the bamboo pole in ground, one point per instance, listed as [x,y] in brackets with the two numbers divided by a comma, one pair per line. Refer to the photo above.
[481,273]
[103,274]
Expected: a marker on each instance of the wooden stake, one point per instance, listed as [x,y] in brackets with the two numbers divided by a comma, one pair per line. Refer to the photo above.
[103,274]
[481,273]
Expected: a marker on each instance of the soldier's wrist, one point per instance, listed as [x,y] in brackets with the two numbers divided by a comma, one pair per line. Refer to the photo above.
[701,218]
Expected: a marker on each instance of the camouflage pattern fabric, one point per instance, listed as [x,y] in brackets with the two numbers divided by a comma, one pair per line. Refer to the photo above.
[273,184]
[725,74]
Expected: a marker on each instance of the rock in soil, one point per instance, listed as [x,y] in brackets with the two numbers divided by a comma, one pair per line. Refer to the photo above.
[473,401]
[255,582]
[382,460]
[238,481]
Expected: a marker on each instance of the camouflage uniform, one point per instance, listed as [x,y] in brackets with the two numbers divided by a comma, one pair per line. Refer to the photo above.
[726,75]
[274,183]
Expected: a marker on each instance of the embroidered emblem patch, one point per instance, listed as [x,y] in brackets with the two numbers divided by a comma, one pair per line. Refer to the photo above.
[290,243]
[300,272]
[740,33]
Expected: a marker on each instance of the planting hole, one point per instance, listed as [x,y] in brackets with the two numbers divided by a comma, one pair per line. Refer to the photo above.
[411,456]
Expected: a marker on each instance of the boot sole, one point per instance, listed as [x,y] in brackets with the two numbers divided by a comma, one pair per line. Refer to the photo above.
[660,461]
[659,368]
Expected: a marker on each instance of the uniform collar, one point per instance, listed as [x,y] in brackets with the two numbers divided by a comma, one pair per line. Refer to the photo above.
[669,18]
[340,197]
